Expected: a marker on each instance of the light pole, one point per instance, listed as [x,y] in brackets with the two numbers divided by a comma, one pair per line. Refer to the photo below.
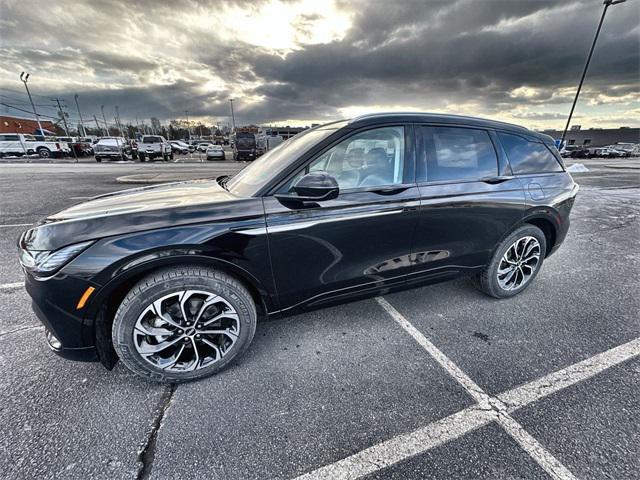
[186,112]
[233,117]
[118,123]
[24,79]
[66,129]
[106,125]
[607,4]
[84,132]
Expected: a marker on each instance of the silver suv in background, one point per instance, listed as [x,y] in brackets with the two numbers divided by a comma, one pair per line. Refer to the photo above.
[112,148]
[154,146]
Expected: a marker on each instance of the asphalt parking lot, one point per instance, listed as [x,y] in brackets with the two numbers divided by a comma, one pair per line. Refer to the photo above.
[435,382]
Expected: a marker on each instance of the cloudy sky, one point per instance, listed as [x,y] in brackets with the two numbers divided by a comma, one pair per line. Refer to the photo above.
[297,62]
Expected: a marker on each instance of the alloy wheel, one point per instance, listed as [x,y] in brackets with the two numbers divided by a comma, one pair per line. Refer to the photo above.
[186,330]
[519,263]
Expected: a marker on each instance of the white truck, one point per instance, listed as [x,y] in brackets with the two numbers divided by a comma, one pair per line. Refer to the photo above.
[154,146]
[19,144]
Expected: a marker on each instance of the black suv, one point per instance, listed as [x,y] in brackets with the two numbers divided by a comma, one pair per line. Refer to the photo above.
[171,278]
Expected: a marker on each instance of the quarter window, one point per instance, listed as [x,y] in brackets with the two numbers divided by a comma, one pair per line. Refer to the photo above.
[452,154]
[528,157]
[367,159]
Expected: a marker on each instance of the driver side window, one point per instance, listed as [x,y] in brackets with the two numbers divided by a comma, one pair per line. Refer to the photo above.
[373,158]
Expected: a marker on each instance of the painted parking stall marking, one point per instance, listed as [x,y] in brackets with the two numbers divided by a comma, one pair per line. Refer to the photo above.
[486,410]
[10,286]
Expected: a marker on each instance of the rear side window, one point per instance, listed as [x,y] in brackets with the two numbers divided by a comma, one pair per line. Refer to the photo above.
[528,157]
[452,153]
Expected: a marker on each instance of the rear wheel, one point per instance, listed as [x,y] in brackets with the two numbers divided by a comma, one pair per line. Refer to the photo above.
[98,159]
[183,323]
[515,263]
[44,152]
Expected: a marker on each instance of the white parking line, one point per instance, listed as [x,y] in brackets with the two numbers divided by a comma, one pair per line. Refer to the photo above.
[16,225]
[8,286]
[487,410]
[544,458]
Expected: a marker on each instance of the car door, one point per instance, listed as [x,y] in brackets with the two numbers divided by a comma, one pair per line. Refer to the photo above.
[469,199]
[359,241]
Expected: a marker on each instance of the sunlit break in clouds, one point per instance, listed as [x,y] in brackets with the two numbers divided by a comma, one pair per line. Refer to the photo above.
[299,62]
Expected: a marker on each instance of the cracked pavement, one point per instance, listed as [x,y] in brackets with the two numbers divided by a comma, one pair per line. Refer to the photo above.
[318,387]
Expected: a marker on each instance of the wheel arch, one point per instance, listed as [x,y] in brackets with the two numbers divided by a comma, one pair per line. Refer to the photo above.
[103,307]
[548,221]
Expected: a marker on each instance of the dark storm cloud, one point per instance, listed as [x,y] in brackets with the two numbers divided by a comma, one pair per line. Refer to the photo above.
[497,55]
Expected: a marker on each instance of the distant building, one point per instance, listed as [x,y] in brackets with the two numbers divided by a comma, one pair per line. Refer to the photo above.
[24,125]
[285,132]
[598,137]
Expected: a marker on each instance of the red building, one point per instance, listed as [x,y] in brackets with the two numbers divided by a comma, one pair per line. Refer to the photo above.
[25,125]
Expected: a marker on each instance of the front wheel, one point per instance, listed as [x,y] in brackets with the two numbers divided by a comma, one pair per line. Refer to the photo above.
[183,323]
[515,263]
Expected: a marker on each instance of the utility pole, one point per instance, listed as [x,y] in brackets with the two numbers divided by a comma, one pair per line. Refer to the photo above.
[186,112]
[118,123]
[106,125]
[97,124]
[607,4]
[233,117]
[24,79]
[66,129]
[84,132]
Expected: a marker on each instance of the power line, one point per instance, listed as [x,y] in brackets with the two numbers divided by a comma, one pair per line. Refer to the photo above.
[27,111]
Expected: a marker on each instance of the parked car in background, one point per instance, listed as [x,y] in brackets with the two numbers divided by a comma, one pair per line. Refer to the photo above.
[154,146]
[171,279]
[20,144]
[215,152]
[112,148]
[574,151]
[178,146]
[77,145]
[202,146]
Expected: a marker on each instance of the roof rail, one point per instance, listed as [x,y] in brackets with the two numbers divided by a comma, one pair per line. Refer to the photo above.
[433,114]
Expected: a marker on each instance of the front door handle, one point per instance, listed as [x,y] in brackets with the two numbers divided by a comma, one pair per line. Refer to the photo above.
[390,190]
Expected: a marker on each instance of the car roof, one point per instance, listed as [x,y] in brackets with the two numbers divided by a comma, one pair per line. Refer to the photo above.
[441,118]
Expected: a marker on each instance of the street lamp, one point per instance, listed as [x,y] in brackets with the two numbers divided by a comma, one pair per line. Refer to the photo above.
[24,79]
[607,4]
[233,118]
[106,125]
[84,131]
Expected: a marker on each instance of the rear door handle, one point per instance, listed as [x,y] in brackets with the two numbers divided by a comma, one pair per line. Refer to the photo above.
[498,179]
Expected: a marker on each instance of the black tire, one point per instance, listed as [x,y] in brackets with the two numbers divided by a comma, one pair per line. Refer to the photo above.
[98,159]
[487,280]
[44,152]
[141,157]
[167,281]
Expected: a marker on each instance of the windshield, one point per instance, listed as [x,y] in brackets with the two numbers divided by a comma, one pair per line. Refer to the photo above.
[246,141]
[261,171]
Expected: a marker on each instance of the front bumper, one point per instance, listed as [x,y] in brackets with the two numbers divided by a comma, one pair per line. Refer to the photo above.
[54,302]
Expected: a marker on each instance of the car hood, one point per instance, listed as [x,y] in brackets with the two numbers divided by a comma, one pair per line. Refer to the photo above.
[134,210]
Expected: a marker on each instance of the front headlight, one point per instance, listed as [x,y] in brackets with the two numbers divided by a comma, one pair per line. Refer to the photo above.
[44,263]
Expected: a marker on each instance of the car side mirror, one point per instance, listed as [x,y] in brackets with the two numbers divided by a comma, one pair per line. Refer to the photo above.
[313,187]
